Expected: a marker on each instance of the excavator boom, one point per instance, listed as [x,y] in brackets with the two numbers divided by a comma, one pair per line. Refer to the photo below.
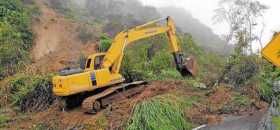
[114,56]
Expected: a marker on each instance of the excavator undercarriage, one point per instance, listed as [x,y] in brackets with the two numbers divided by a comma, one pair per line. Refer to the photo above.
[116,93]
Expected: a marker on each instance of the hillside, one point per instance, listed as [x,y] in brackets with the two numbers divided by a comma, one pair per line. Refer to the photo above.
[59,41]
[118,14]
[50,35]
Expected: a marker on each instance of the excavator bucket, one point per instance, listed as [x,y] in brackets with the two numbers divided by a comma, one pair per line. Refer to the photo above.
[189,67]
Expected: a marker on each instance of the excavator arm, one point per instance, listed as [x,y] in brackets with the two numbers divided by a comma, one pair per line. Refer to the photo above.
[114,56]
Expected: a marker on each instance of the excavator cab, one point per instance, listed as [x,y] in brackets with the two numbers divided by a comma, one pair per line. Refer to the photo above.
[94,62]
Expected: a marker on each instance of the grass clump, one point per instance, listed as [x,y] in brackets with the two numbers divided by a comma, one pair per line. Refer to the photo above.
[4,119]
[240,100]
[161,113]
[236,103]
[102,122]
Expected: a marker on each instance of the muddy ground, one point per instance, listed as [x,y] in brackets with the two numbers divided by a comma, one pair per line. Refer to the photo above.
[208,110]
[114,117]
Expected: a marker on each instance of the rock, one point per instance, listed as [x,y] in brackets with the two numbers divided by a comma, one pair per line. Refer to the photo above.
[200,85]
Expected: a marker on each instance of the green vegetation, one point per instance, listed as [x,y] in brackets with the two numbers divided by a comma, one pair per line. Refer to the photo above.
[268,75]
[240,100]
[155,62]
[15,35]
[161,113]
[28,93]
[105,43]
[276,122]
[147,59]
[4,119]
[101,122]
[21,85]
[237,101]
[240,69]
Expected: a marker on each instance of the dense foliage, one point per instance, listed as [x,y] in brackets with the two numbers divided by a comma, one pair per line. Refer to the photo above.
[150,59]
[15,35]
[239,70]
[269,75]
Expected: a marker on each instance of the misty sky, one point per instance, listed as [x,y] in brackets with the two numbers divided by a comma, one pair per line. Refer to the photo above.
[203,10]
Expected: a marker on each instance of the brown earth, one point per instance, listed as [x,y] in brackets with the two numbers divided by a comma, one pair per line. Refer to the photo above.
[211,110]
[116,116]
[57,41]
[206,111]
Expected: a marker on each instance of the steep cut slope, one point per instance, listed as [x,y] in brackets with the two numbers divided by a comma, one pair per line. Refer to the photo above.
[57,40]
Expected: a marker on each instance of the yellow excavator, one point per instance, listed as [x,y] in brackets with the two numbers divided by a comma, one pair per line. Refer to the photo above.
[100,79]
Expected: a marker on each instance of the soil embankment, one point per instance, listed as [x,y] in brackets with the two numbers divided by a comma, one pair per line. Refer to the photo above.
[57,41]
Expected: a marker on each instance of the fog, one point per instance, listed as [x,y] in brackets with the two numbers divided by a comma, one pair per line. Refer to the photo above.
[123,14]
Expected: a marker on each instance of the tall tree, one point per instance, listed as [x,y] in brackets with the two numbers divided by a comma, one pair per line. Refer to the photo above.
[244,19]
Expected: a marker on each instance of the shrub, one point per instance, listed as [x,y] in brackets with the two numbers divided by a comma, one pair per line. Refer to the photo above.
[4,119]
[239,70]
[31,93]
[268,74]
[105,43]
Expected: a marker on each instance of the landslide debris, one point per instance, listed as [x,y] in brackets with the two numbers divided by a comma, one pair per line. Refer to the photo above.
[59,42]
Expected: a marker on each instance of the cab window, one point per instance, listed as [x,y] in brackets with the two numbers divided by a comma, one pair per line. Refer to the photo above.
[98,62]
[88,63]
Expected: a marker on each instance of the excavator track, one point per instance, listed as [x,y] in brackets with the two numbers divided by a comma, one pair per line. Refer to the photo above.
[94,104]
